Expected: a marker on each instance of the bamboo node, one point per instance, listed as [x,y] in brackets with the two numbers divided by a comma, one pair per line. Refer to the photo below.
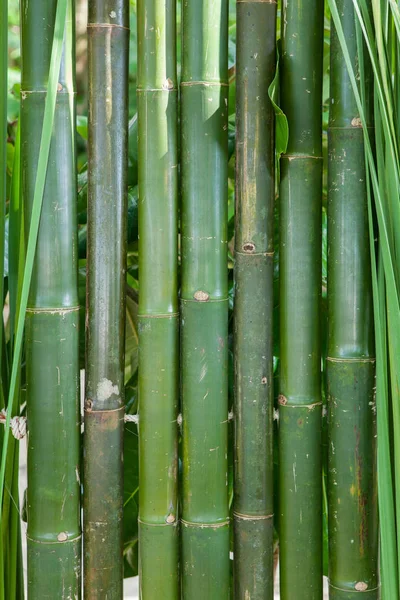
[201,296]
[361,586]
[170,518]
[62,537]
[17,425]
[249,247]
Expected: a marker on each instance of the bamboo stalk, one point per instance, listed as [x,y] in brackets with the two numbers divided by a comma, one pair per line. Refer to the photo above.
[254,248]
[158,300]
[204,148]
[52,369]
[300,406]
[108,35]
[352,490]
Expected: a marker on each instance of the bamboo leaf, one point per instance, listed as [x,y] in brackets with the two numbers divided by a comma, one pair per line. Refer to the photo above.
[281,123]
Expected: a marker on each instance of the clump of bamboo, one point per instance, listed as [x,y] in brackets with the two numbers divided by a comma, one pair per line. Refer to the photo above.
[204,291]
[254,247]
[300,406]
[352,497]
[52,369]
[158,300]
[108,36]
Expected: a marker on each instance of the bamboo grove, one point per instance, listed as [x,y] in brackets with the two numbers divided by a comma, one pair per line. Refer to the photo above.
[200,345]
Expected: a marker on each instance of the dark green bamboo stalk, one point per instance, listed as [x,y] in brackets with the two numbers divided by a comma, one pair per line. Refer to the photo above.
[108,36]
[204,148]
[158,300]
[254,250]
[300,407]
[53,507]
[352,491]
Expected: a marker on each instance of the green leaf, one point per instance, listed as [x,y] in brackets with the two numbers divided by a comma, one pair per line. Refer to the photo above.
[281,123]
[82,126]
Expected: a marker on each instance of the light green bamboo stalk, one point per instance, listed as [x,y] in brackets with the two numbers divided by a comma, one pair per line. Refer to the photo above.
[108,36]
[158,300]
[300,406]
[204,151]
[353,541]
[52,315]
[254,238]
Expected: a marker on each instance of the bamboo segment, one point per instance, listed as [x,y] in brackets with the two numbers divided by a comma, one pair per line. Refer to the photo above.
[255,191]
[54,537]
[158,300]
[204,293]
[108,38]
[300,452]
[352,488]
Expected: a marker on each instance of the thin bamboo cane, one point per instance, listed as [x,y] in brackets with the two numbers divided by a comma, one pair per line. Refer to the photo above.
[254,239]
[300,406]
[158,300]
[53,506]
[352,489]
[108,35]
[204,291]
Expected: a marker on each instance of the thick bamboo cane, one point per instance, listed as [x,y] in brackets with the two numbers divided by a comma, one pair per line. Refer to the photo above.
[52,368]
[254,247]
[158,300]
[352,486]
[108,35]
[204,293]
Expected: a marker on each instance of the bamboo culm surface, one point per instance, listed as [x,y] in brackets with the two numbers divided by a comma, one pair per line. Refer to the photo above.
[352,487]
[157,97]
[254,248]
[204,300]
[52,368]
[300,254]
[108,45]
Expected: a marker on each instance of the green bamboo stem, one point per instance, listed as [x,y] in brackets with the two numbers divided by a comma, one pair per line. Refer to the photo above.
[108,37]
[300,407]
[52,369]
[204,305]
[254,248]
[158,300]
[352,489]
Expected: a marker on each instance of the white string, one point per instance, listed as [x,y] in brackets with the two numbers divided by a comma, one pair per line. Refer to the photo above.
[17,425]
